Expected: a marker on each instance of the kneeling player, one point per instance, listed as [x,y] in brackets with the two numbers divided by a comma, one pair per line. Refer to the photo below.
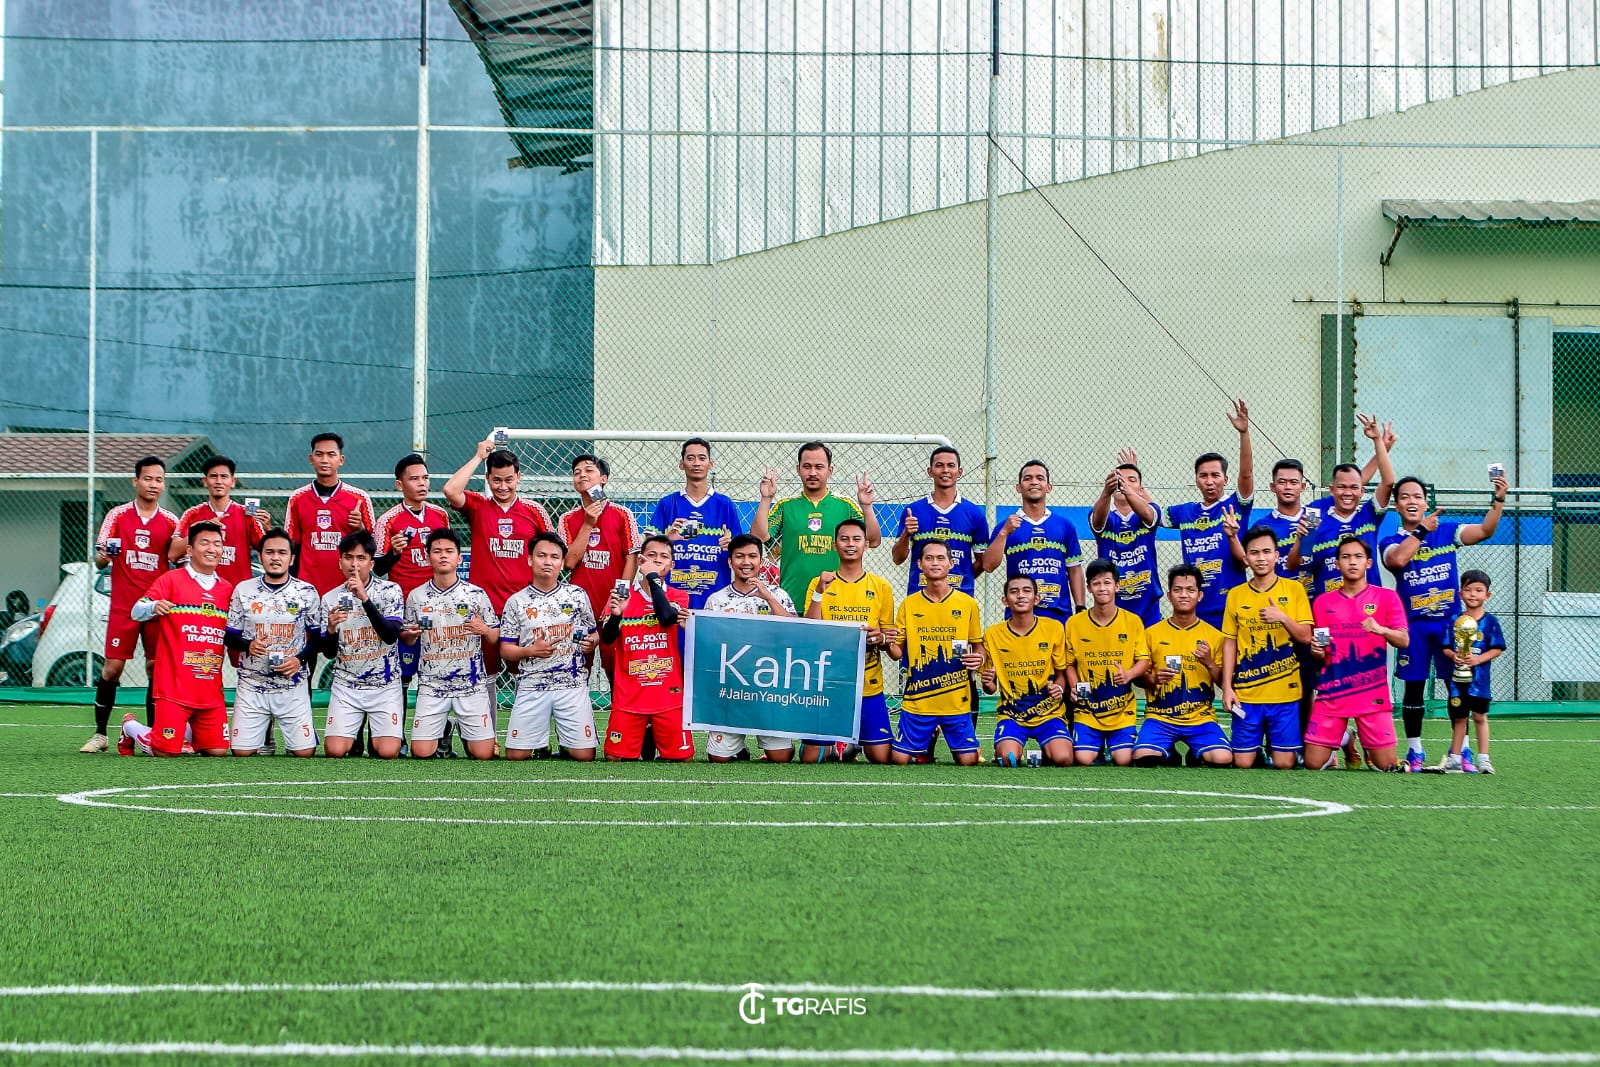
[1182,680]
[1105,653]
[364,617]
[547,634]
[450,619]
[747,594]
[135,738]
[941,636]
[643,625]
[1362,622]
[275,622]
[1025,662]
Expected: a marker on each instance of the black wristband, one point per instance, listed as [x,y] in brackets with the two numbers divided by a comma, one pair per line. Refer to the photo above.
[1418,533]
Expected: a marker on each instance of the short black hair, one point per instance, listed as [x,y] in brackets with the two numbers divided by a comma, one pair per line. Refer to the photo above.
[1352,539]
[219,461]
[651,539]
[945,450]
[1341,468]
[589,457]
[1134,467]
[547,537]
[1476,577]
[934,543]
[851,521]
[1033,583]
[684,451]
[1211,457]
[149,461]
[1097,567]
[444,533]
[500,459]
[1185,570]
[207,526]
[277,533]
[813,446]
[1256,533]
[361,539]
[1412,478]
[745,541]
[1033,463]
[406,463]
[1287,464]
[327,435]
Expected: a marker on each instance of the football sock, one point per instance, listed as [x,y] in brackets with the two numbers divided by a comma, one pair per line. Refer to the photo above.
[149,704]
[105,698]
[1413,744]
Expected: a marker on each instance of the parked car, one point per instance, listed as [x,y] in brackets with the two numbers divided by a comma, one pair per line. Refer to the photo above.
[17,646]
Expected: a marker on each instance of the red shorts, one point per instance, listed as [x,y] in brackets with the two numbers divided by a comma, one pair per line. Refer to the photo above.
[123,635]
[210,726]
[1375,729]
[625,734]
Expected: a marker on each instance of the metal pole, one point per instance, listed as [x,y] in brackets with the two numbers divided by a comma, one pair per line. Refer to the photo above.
[94,297]
[419,298]
[991,437]
[1338,318]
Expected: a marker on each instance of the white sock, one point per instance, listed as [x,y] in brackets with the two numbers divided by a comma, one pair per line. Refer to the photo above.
[136,730]
[1330,762]
[1413,744]
[1350,734]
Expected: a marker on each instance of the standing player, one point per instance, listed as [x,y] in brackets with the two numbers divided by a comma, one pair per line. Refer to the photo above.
[190,610]
[648,692]
[450,620]
[1263,620]
[1106,653]
[940,635]
[699,523]
[1124,522]
[747,594]
[547,632]
[319,515]
[242,525]
[602,540]
[1025,660]
[134,539]
[1200,523]
[1349,515]
[1422,558]
[851,594]
[1473,698]
[1036,542]
[502,527]
[275,623]
[1181,682]
[401,533]
[800,528]
[1363,621]
[364,617]
[944,515]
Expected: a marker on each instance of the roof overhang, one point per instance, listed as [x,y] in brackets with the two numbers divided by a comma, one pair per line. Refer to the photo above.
[1487,214]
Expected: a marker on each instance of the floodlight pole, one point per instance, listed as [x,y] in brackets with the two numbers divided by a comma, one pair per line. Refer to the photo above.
[94,300]
[991,438]
[419,298]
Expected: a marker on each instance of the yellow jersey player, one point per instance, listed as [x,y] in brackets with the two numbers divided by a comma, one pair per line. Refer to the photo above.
[1025,661]
[1105,653]
[1185,666]
[1262,622]
[941,638]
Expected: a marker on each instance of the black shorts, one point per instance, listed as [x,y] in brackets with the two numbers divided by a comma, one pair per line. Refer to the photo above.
[1462,705]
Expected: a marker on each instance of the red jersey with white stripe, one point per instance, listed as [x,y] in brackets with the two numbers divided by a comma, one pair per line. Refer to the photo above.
[614,538]
[190,651]
[240,534]
[143,558]
[316,526]
[500,537]
[649,675]
[411,569]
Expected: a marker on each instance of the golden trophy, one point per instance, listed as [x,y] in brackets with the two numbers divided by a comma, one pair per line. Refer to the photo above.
[1466,629]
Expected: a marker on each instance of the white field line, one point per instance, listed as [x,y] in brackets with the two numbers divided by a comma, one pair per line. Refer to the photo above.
[36,796]
[685,802]
[785,1055]
[1486,1007]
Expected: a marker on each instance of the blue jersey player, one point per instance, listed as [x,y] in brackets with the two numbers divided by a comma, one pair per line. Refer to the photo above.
[1488,641]
[1422,558]
[944,515]
[1350,515]
[1037,542]
[700,524]
[1199,523]
[1124,522]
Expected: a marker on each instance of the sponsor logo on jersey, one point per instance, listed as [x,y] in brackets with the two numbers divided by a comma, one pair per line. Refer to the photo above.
[324,520]
[292,607]
[141,538]
[613,736]
[1370,609]
[507,527]
[168,733]
[594,539]
[814,523]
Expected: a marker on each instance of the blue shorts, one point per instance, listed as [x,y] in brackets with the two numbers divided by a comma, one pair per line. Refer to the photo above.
[1201,738]
[1280,722]
[874,724]
[916,732]
[1086,738]
[1430,636]
[1148,608]
[408,660]
[1052,729]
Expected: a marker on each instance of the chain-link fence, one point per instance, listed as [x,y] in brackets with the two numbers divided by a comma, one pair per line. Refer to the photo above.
[771,219]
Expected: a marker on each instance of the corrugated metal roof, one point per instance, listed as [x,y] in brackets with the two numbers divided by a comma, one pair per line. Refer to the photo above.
[37,453]
[1493,212]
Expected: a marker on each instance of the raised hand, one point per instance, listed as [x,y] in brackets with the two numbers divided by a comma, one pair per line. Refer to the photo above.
[769,483]
[1128,456]
[1369,425]
[865,494]
[1240,416]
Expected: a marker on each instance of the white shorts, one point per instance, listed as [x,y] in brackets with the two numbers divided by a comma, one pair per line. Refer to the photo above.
[474,715]
[530,718]
[383,708]
[254,709]
[728,746]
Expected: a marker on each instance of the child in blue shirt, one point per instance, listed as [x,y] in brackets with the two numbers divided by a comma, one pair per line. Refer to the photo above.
[1472,698]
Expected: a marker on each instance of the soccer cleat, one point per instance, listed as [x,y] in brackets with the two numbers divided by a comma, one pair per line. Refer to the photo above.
[1415,761]
[1353,760]
[96,743]
[268,749]
[1484,766]
[1468,766]
[1451,764]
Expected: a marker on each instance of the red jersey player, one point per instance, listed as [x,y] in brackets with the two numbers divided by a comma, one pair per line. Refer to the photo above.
[189,610]
[402,531]
[602,538]
[242,524]
[649,684]
[502,528]
[321,513]
[134,540]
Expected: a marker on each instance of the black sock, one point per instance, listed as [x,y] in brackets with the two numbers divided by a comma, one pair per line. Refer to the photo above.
[149,705]
[1411,707]
[105,698]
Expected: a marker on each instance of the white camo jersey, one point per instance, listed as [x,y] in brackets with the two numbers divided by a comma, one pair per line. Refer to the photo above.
[365,662]
[450,659]
[752,603]
[531,614]
[284,616]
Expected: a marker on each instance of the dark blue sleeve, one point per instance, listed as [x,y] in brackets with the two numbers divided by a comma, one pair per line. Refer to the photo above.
[1493,636]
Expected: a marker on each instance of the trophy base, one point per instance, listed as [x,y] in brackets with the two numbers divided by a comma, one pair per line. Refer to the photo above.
[1462,679]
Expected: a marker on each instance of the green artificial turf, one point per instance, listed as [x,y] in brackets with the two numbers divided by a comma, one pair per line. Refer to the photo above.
[1476,888]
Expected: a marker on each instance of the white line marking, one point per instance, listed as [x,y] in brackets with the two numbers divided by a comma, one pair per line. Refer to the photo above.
[36,796]
[686,802]
[787,1055]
